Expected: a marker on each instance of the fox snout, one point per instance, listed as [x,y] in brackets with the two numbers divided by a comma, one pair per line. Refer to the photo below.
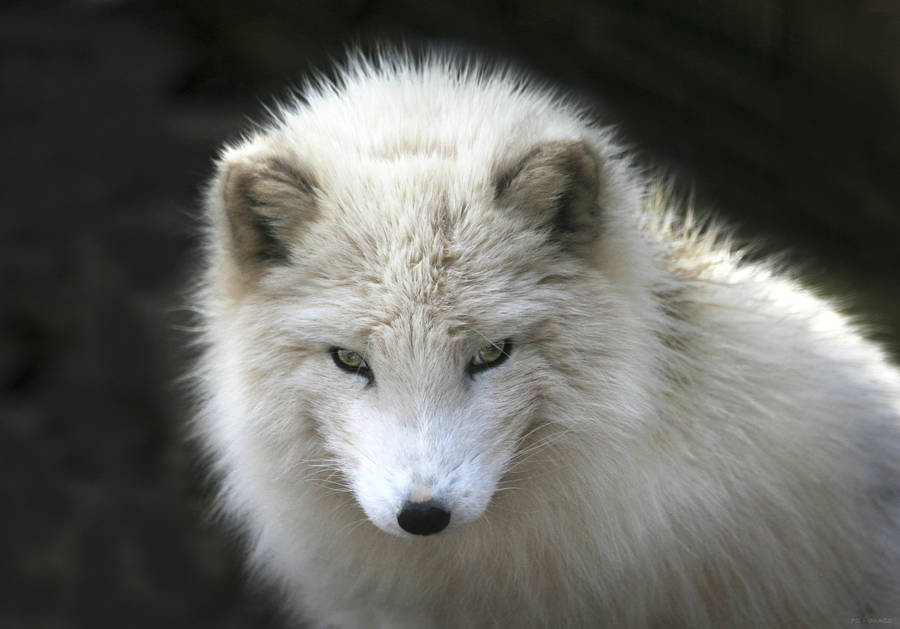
[432,475]
[415,500]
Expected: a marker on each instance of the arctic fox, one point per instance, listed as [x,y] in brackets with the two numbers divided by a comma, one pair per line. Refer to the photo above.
[462,369]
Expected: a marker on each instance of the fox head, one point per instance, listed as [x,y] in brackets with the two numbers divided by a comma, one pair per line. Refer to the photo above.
[398,314]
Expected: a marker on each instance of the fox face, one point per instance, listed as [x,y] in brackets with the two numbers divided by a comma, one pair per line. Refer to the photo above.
[408,314]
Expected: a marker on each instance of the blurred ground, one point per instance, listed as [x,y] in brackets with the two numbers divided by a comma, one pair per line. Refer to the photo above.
[784,115]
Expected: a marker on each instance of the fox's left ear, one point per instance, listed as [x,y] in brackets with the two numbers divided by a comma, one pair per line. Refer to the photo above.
[556,184]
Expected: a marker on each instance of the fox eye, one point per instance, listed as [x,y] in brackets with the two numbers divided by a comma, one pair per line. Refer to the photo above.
[490,356]
[351,361]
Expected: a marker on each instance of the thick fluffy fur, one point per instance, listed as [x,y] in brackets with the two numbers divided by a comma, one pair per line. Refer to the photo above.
[677,439]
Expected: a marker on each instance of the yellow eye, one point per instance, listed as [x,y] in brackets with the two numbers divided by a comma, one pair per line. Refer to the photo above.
[349,358]
[352,362]
[490,356]
[489,353]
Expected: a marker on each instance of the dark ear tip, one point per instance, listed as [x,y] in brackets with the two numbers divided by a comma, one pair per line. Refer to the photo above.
[268,174]
[581,165]
[236,181]
[581,153]
[569,161]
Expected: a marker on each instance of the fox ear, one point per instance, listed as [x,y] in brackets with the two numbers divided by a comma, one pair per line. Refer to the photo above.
[265,200]
[557,184]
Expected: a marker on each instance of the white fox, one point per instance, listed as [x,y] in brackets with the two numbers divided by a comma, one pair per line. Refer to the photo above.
[462,370]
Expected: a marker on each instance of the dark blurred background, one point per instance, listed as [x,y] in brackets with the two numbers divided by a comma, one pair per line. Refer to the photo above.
[783,115]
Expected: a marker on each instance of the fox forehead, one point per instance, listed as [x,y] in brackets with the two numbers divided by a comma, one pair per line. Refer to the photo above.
[429,283]
[432,252]
[416,298]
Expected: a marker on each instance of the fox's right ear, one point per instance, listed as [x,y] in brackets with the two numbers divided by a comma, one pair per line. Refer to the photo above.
[261,204]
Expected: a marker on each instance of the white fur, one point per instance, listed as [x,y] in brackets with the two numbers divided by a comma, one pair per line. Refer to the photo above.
[679,438]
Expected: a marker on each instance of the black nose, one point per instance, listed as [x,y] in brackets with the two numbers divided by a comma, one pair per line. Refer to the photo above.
[423,518]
